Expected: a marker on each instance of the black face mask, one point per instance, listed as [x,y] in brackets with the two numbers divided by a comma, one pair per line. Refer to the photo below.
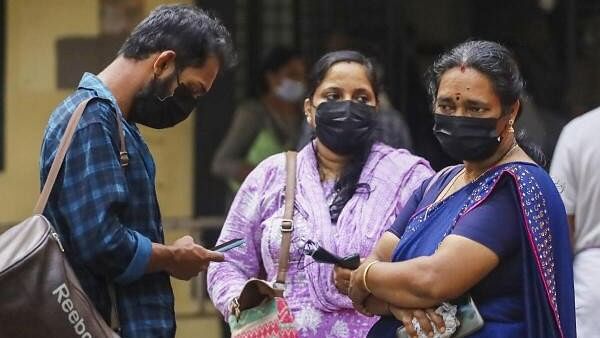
[153,108]
[467,138]
[344,126]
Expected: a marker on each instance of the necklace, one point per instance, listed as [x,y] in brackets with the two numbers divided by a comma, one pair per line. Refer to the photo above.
[449,186]
[462,173]
[508,152]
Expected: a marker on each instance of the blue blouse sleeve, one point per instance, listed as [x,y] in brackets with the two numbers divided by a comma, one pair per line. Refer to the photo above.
[496,223]
[409,209]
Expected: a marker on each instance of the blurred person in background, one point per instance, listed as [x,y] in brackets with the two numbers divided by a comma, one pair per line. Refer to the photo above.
[575,168]
[266,125]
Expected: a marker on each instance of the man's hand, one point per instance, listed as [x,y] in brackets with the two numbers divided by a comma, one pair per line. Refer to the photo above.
[190,258]
[183,260]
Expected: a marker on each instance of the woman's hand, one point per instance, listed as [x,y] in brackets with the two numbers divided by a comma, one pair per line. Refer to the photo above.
[427,319]
[363,309]
[357,291]
[341,279]
[373,307]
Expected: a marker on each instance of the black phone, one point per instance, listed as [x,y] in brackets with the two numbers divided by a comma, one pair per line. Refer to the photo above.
[234,243]
[321,255]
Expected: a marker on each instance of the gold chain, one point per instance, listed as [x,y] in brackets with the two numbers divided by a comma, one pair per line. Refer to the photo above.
[462,172]
[450,185]
[508,152]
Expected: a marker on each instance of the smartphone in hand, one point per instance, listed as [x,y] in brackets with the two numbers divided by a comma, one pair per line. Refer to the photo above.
[234,243]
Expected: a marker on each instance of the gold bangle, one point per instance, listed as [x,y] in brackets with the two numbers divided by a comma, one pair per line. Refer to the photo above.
[364,279]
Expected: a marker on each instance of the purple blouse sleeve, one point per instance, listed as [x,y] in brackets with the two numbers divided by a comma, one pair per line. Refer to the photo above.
[496,223]
[242,263]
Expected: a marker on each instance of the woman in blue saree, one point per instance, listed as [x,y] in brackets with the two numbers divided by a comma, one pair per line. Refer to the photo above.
[493,227]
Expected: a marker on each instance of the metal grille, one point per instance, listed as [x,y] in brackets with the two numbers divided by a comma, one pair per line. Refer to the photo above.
[260,26]
[277,23]
[241,44]
[374,28]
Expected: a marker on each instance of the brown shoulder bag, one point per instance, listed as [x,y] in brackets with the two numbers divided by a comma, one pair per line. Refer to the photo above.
[40,295]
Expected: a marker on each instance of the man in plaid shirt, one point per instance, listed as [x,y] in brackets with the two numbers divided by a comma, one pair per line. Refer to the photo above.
[107,213]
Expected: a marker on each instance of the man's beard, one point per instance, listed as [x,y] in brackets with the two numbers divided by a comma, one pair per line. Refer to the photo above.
[156,88]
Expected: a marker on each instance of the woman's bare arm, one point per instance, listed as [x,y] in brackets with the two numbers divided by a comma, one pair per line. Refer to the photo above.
[456,267]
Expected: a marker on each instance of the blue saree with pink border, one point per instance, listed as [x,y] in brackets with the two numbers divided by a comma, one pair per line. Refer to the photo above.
[539,274]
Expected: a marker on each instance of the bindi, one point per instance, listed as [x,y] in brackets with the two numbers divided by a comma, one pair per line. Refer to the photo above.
[457,97]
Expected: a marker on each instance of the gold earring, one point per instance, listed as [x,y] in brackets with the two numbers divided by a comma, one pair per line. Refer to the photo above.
[510,126]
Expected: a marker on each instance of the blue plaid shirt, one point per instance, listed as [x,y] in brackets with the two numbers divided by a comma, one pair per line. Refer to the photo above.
[107,215]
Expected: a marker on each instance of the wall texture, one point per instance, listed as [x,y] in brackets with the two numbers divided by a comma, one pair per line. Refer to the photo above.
[31,95]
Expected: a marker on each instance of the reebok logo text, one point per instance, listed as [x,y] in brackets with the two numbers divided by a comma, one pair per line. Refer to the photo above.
[62,297]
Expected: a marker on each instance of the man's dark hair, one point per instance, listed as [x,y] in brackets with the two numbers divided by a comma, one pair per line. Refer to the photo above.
[189,31]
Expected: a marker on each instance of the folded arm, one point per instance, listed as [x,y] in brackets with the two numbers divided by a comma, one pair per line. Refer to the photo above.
[427,281]
[480,239]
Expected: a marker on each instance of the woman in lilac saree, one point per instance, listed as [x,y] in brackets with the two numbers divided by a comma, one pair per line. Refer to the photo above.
[349,191]
[494,228]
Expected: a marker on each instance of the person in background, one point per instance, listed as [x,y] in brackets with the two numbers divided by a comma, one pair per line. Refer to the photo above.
[392,126]
[349,190]
[104,204]
[268,124]
[493,227]
[575,168]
